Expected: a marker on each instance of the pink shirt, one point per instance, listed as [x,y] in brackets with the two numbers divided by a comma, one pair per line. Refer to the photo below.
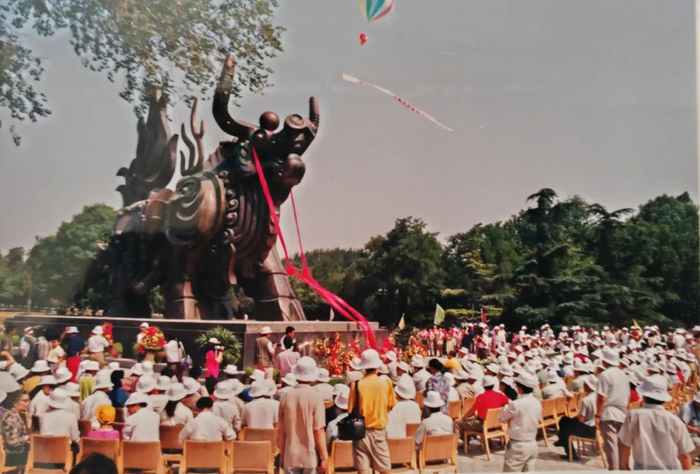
[103,434]
[286,360]
[212,365]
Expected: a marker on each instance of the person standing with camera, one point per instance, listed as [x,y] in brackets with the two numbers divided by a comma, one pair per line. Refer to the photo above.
[215,356]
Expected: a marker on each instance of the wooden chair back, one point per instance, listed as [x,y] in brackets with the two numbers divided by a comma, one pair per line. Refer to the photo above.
[492,421]
[169,437]
[203,455]
[634,405]
[560,407]
[108,447]
[543,384]
[572,406]
[341,456]
[252,456]
[455,408]
[119,415]
[402,451]
[549,408]
[568,379]
[411,429]
[50,450]
[85,427]
[261,434]
[439,448]
[419,399]
[142,455]
[467,404]
[4,468]
[328,404]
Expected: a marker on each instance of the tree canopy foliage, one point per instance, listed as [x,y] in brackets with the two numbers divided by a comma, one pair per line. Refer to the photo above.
[176,46]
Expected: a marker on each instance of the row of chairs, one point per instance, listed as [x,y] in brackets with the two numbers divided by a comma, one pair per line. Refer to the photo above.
[438,453]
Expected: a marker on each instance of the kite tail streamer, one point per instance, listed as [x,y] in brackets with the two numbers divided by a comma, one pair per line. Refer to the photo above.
[337,303]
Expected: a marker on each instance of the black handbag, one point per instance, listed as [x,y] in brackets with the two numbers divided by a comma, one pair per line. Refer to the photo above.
[352,427]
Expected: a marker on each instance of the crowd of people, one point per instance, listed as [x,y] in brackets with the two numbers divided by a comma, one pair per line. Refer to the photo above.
[615,370]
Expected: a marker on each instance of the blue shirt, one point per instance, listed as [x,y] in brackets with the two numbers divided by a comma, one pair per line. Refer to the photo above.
[245,396]
[75,346]
[118,397]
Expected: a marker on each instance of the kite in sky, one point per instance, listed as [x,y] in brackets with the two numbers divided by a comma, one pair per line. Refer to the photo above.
[403,102]
[376,9]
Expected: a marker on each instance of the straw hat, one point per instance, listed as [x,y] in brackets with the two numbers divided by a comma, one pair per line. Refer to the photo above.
[433,400]
[40,366]
[223,391]
[146,384]
[656,388]
[58,399]
[137,398]
[305,370]
[323,376]
[405,388]
[370,359]
[176,392]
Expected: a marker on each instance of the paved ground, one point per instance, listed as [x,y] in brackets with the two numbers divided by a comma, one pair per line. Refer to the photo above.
[548,460]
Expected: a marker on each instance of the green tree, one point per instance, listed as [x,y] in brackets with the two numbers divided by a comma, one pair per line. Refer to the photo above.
[176,46]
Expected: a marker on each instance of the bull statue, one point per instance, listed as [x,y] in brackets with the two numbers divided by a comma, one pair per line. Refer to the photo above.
[215,229]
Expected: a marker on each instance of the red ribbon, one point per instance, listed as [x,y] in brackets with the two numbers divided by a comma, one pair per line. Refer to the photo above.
[336,302]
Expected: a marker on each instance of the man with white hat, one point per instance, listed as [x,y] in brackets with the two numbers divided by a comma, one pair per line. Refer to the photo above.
[690,414]
[437,423]
[392,364]
[323,387]
[143,424]
[406,409]
[354,372]
[376,400]
[584,424]
[265,352]
[421,376]
[464,388]
[40,403]
[555,387]
[58,421]
[103,384]
[657,439]
[288,383]
[301,434]
[522,415]
[223,408]
[263,411]
[73,391]
[611,405]
[159,399]
[97,345]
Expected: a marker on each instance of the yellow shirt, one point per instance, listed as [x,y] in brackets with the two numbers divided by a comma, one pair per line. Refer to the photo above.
[376,400]
[453,365]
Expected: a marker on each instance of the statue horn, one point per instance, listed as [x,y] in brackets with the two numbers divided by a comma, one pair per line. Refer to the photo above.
[314,116]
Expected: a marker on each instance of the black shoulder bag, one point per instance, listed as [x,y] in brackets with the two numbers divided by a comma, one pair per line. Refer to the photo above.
[352,427]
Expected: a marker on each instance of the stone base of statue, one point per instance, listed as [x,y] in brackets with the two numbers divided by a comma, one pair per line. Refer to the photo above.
[125,331]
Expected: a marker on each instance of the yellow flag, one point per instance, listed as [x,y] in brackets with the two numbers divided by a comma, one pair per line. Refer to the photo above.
[635,323]
[402,323]
[439,315]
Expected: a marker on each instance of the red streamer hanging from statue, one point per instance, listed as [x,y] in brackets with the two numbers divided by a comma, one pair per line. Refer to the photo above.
[337,303]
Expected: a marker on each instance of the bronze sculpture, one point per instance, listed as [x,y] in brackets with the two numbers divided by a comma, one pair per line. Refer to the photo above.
[215,229]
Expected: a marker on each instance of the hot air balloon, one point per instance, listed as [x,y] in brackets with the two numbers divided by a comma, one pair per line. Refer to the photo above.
[376,9]
[363,39]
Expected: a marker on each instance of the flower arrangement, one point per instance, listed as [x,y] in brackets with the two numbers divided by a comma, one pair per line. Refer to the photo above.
[335,354]
[153,340]
[414,348]
[107,330]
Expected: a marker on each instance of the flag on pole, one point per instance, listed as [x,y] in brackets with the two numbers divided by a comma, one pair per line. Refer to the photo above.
[635,323]
[332,315]
[439,315]
[402,323]
[483,315]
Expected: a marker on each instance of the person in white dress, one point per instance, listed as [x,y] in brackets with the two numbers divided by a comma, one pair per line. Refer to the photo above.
[207,426]
[103,384]
[405,411]
[437,423]
[174,412]
[263,411]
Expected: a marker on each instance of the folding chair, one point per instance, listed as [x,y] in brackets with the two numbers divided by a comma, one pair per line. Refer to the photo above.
[141,456]
[454,409]
[560,405]
[402,452]
[467,404]
[579,440]
[85,427]
[572,405]
[341,458]
[492,428]
[203,455]
[108,447]
[49,450]
[439,453]
[170,443]
[252,456]
[549,418]
[411,429]
[261,434]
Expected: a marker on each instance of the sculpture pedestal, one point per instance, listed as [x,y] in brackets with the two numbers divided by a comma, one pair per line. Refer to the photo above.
[125,331]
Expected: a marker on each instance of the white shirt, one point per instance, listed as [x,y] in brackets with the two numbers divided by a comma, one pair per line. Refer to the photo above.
[261,413]
[614,385]
[282,391]
[657,438]
[55,354]
[326,391]
[587,409]
[454,395]
[173,351]
[39,404]
[436,424]
[142,426]
[229,412]
[332,430]
[404,412]
[91,403]
[420,379]
[555,390]
[74,408]
[158,401]
[182,416]
[207,427]
[97,344]
[523,415]
[59,423]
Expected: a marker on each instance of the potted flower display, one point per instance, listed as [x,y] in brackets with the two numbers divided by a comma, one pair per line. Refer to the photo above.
[152,344]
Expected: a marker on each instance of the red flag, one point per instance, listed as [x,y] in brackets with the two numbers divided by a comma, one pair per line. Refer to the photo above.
[483,316]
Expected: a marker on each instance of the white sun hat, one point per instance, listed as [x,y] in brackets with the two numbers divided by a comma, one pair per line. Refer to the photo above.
[146,384]
[528,380]
[223,391]
[18,371]
[656,388]
[191,385]
[323,376]
[257,375]
[72,389]
[92,366]
[391,356]
[137,398]
[450,378]
[552,377]
[341,388]
[163,383]
[271,387]
[40,366]
[370,359]
[7,383]
[611,356]
[418,362]
[176,392]
[355,363]
[405,388]
[113,366]
[305,370]
[236,386]
[62,375]
[147,367]
[506,371]
[144,325]
[258,389]
[58,399]
[509,381]
[433,400]
[476,373]
[137,369]
[47,380]
[232,370]
[489,381]
[214,340]
[266,330]
[461,375]
[493,368]
[290,380]
[341,400]
[103,381]
[72,330]
[383,369]
[98,331]
[403,366]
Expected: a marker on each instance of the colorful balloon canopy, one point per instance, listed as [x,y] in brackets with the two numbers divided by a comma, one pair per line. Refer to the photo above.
[376,9]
